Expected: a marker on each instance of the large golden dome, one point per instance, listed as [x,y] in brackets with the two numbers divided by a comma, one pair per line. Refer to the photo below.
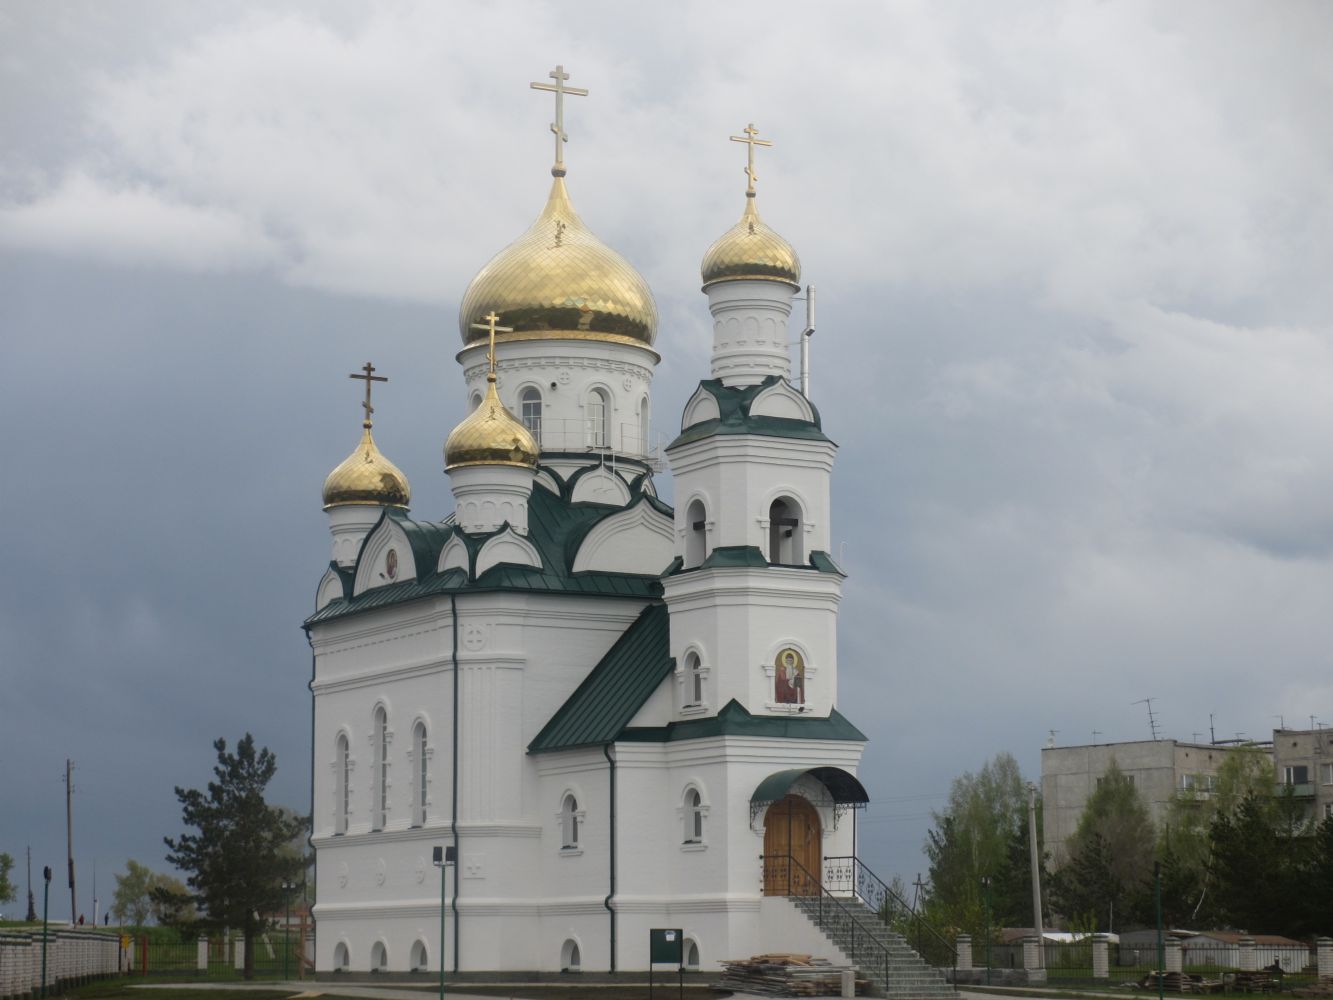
[490,435]
[366,477]
[751,251]
[559,281]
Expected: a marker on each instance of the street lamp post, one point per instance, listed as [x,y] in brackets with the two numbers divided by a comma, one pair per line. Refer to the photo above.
[443,858]
[985,885]
[287,888]
[46,900]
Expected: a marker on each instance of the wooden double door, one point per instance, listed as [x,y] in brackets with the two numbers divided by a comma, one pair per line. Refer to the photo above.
[792,831]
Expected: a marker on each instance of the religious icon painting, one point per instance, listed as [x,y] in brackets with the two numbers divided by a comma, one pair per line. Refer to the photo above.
[391,564]
[789,678]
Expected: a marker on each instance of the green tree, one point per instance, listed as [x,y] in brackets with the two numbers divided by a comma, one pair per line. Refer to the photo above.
[1110,855]
[974,838]
[131,903]
[237,860]
[7,890]
[1263,860]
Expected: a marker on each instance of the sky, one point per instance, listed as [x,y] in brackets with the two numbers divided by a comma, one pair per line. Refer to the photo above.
[1075,344]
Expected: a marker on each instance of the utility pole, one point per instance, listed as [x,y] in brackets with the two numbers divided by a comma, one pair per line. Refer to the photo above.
[31,916]
[1035,852]
[69,839]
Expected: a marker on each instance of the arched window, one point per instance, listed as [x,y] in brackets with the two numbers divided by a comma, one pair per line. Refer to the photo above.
[342,790]
[569,956]
[379,957]
[530,405]
[569,823]
[691,956]
[599,419]
[419,959]
[422,775]
[379,810]
[784,532]
[696,534]
[694,816]
[694,679]
[474,401]
[644,448]
[341,957]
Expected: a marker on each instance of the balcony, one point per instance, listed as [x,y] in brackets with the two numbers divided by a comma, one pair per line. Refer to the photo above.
[1305,790]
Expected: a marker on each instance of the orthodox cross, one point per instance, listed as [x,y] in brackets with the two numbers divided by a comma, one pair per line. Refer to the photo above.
[750,141]
[489,326]
[558,126]
[368,378]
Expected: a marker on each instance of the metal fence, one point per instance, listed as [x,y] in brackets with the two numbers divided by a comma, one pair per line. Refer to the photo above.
[278,955]
[1203,963]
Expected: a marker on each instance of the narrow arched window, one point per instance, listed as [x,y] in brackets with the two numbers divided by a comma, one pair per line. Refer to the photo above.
[784,532]
[569,956]
[379,957]
[696,534]
[694,817]
[599,419]
[474,401]
[643,448]
[422,775]
[530,406]
[419,959]
[380,800]
[342,793]
[694,679]
[569,823]
[341,957]
[692,956]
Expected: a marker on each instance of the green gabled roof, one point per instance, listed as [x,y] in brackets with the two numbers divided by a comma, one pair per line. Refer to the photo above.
[556,528]
[734,720]
[601,707]
[733,403]
[734,555]
[746,556]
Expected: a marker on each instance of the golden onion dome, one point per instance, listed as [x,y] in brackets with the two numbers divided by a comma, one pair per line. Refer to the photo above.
[559,281]
[751,251]
[490,435]
[366,477]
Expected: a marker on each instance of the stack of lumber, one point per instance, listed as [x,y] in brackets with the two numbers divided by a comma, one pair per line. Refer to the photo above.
[1259,981]
[1178,982]
[1318,990]
[784,974]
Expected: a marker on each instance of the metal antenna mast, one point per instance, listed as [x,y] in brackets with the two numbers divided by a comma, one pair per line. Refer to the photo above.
[69,839]
[1152,720]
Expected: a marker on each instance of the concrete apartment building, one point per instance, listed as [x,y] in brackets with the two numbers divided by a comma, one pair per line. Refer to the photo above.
[1158,768]
[1303,762]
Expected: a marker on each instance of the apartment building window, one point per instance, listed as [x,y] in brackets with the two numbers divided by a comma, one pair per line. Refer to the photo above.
[1296,774]
[1326,774]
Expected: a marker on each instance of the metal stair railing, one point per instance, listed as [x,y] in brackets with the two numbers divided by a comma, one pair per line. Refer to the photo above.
[850,875]
[784,871]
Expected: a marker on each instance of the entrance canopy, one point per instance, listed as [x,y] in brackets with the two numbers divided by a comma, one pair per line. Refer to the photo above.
[844,791]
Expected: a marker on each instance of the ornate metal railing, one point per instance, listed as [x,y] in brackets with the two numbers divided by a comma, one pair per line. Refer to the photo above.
[850,877]
[783,874]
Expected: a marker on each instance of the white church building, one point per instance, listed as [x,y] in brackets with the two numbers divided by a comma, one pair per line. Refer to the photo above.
[620,714]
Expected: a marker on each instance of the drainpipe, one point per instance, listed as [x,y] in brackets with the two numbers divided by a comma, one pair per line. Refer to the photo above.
[611,773]
[453,825]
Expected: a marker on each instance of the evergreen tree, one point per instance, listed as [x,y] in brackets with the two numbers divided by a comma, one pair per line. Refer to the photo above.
[1109,872]
[1262,861]
[237,859]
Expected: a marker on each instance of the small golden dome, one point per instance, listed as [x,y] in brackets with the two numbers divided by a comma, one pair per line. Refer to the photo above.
[751,251]
[490,435]
[366,477]
[559,281]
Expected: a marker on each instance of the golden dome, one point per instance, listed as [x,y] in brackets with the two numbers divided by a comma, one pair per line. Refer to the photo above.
[366,477]
[751,251]
[559,281]
[490,435]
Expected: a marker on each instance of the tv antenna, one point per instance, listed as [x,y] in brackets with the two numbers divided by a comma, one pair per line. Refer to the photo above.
[1152,720]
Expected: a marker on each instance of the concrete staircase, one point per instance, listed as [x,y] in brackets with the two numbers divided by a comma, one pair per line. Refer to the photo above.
[908,976]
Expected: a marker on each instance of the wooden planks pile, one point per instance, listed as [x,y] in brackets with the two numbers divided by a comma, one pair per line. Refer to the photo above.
[784,974]
[1178,982]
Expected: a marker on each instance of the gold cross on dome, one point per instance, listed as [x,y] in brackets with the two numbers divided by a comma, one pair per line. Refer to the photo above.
[558,126]
[750,141]
[368,378]
[491,319]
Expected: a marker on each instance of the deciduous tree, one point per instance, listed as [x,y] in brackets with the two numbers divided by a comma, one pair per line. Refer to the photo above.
[238,858]
[7,890]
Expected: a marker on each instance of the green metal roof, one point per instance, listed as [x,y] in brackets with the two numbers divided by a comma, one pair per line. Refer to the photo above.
[734,720]
[733,403]
[616,688]
[842,786]
[556,528]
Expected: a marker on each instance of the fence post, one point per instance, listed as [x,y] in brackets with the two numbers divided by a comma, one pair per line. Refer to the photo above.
[1173,956]
[965,951]
[1101,956]
[1324,957]
[1032,959]
[1249,957]
[201,954]
[238,953]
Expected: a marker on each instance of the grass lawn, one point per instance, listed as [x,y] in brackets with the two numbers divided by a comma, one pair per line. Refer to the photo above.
[123,989]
